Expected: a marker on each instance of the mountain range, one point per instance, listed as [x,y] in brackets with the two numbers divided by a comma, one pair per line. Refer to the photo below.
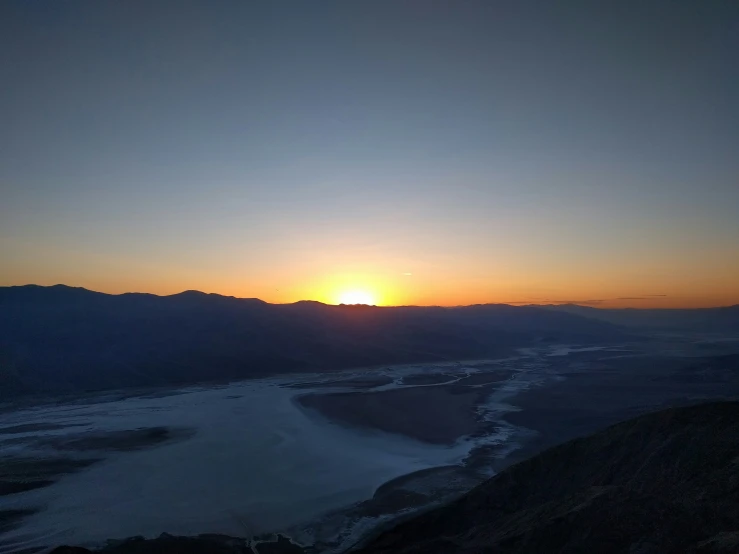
[67,339]
[705,320]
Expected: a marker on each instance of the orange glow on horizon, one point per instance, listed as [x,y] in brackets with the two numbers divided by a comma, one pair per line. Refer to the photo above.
[389,284]
[405,291]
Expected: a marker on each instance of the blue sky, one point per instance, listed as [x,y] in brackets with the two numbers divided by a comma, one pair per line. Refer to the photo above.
[498,151]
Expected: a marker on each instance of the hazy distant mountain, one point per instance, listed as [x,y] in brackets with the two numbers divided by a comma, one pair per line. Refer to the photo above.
[699,320]
[64,338]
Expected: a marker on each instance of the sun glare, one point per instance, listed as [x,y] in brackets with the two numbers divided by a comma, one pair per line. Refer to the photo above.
[357,297]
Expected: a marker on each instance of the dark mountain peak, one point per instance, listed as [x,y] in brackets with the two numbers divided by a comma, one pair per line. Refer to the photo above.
[58,288]
[250,300]
[192,294]
[199,298]
[199,295]
[137,294]
[53,293]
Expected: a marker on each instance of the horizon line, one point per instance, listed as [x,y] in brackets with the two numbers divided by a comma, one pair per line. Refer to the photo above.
[585,304]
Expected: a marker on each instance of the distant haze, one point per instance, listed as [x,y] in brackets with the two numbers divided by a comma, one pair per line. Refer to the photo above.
[413,152]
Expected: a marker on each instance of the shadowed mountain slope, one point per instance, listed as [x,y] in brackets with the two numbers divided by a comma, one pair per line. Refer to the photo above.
[703,320]
[665,482]
[68,339]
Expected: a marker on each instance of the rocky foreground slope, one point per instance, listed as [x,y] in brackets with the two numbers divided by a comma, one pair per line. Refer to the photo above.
[664,482]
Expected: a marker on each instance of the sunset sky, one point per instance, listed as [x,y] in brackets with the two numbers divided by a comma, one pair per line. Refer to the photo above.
[407,152]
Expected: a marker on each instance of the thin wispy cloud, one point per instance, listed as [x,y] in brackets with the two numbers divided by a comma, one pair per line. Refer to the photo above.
[644,297]
[557,301]
[590,301]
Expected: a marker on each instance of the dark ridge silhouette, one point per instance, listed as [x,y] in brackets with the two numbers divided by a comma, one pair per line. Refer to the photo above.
[717,320]
[62,338]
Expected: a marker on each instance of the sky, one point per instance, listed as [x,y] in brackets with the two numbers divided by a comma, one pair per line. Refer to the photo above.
[402,152]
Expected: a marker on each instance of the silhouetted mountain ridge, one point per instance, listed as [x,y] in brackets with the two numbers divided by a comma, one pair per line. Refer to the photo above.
[719,320]
[66,338]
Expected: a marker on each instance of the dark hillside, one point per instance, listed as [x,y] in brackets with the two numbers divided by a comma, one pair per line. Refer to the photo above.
[663,482]
[60,338]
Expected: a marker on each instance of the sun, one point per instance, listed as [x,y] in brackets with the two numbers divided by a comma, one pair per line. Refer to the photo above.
[357,296]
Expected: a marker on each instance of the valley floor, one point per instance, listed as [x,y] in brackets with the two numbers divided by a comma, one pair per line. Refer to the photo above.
[325,458]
